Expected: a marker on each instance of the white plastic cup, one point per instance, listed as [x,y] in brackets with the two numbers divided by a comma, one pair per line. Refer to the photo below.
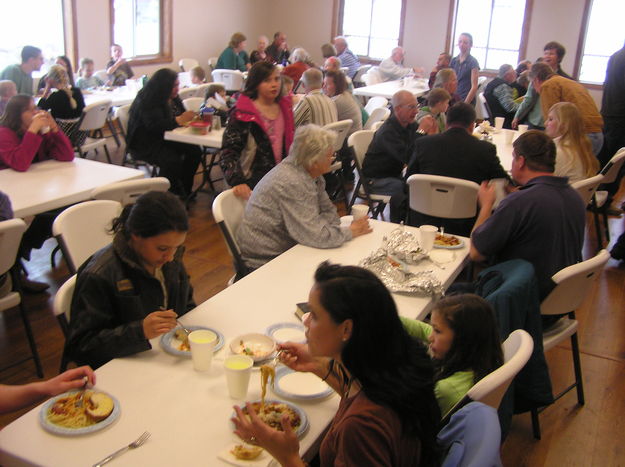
[499,122]
[359,211]
[238,369]
[427,234]
[523,129]
[202,344]
[509,136]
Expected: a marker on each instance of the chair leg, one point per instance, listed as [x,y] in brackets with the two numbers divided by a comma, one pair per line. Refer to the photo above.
[108,156]
[31,340]
[577,366]
[57,248]
[111,127]
[535,423]
[605,224]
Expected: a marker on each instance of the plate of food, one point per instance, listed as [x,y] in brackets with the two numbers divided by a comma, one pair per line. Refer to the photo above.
[273,410]
[296,385]
[258,346]
[174,342]
[449,242]
[287,332]
[79,412]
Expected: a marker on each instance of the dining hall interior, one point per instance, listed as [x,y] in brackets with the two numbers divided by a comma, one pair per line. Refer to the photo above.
[571,434]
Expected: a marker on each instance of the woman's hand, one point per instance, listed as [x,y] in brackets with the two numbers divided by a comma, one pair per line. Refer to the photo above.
[71,379]
[159,322]
[282,445]
[39,121]
[360,227]
[185,117]
[298,357]
[242,191]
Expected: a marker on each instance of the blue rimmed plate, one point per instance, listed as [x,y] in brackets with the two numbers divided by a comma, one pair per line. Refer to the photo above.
[64,431]
[303,426]
[287,332]
[296,385]
[171,345]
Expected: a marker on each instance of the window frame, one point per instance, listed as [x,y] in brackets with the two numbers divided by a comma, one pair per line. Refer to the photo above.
[577,67]
[337,28]
[525,29]
[165,54]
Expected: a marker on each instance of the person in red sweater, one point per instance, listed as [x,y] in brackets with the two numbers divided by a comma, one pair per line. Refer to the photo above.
[28,134]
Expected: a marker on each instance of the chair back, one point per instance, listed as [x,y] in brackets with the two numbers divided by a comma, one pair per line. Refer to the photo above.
[123,116]
[587,187]
[94,115]
[360,72]
[128,191]
[187,93]
[378,115]
[445,197]
[193,103]
[102,74]
[483,106]
[186,64]
[202,89]
[376,126]
[228,212]
[372,76]
[341,128]
[62,304]
[375,102]
[184,77]
[359,141]
[83,229]
[573,284]
[613,167]
[517,349]
[11,232]
[232,79]
[212,63]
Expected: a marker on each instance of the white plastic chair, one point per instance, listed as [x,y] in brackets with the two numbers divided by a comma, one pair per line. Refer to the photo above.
[587,189]
[62,306]
[187,93]
[372,76]
[360,72]
[184,77]
[378,115]
[128,191]
[83,229]
[11,232]
[186,64]
[483,110]
[193,103]
[232,79]
[444,197]
[375,102]
[609,172]
[341,128]
[92,120]
[200,91]
[228,212]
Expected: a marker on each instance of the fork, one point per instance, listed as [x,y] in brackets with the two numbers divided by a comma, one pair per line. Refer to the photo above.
[187,331]
[135,444]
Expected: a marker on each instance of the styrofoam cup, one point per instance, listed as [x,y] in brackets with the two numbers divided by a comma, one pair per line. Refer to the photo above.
[499,122]
[427,234]
[238,369]
[202,343]
[359,211]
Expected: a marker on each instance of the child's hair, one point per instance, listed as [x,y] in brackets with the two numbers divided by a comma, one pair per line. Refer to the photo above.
[476,345]
[198,72]
[83,64]
[214,89]
[287,83]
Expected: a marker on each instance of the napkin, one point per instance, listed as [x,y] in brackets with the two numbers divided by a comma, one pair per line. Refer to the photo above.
[263,460]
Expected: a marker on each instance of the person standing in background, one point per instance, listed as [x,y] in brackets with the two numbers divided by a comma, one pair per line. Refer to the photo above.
[466,68]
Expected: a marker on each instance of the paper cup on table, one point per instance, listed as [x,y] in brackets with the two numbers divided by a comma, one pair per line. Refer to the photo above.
[499,122]
[523,129]
[359,211]
[202,344]
[427,234]
[238,369]
[509,136]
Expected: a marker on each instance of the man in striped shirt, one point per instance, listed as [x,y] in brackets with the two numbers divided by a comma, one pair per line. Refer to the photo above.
[347,57]
[315,107]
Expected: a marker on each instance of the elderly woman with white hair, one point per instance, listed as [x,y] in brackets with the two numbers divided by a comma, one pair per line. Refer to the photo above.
[67,101]
[300,63]
[290,205]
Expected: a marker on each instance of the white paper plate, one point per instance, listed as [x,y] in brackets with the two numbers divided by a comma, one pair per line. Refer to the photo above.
[285,332]
[262,345]
[451,247]
[170,344]
[292,384]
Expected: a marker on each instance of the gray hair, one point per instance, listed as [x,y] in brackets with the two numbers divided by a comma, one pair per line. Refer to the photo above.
[312,78]
[443,76]
[400,97]
[503,69]
[300,55]
[311,143]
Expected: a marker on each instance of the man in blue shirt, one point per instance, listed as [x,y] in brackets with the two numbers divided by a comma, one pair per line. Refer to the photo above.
[347,57]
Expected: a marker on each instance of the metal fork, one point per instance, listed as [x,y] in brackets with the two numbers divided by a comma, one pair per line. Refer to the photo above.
[135,444]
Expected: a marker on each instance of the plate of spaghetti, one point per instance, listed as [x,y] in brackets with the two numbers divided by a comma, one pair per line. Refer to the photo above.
[62,416]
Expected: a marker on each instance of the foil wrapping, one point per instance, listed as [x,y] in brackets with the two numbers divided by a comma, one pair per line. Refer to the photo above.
[404,246]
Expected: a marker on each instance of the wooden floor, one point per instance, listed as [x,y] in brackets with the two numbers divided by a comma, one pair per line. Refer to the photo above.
[580,436]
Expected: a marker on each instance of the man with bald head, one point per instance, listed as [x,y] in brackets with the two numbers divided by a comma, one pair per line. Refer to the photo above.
[315,107]
[332,64]
[391,149]
[392,68]
[347,57]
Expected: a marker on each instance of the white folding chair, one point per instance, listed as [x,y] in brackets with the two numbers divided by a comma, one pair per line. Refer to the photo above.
[609,172]
[444,197]
[587,189]
[573,284]
[376,126]
[202,89]
[372,76]
[186,64]
[228,213]
[359,142]
[193,103]
[122,114]
[184,77]
[341,129]
[378,115]
[83,229]
[11,232]
[128,191]
[358,77]
[62,306]
[483,110]
[375,102]
[232,79]
[187,93]
[92,120]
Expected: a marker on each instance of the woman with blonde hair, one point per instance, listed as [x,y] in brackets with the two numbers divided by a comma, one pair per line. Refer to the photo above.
[574,157]
[67,101]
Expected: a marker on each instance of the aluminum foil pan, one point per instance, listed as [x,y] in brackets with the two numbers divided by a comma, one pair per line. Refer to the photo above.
[404,246]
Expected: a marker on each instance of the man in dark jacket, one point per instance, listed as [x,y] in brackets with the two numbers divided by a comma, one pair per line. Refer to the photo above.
[500,95]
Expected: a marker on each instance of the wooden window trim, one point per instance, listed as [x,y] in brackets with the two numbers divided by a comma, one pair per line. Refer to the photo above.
[165,54]
[581,41]
[70,35]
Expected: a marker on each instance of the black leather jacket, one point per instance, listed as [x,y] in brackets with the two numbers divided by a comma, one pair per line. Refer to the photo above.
[113,295]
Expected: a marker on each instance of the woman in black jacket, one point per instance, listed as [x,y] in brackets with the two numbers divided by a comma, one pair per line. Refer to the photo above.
[155,110]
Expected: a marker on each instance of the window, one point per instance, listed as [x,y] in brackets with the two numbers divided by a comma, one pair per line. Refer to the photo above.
[603,37]
[143,29]
[372,27]
[497,27]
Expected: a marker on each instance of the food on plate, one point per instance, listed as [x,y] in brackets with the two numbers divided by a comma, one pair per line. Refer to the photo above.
[266,371]
[69,413]
[253,350]
[446,240]
[244,452]
[271,413]
[183,337]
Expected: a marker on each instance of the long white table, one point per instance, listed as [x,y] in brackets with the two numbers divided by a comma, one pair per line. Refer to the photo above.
[186,135]
[121,95]
[504,149]
[52,184]
[418,87]
[188,413]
